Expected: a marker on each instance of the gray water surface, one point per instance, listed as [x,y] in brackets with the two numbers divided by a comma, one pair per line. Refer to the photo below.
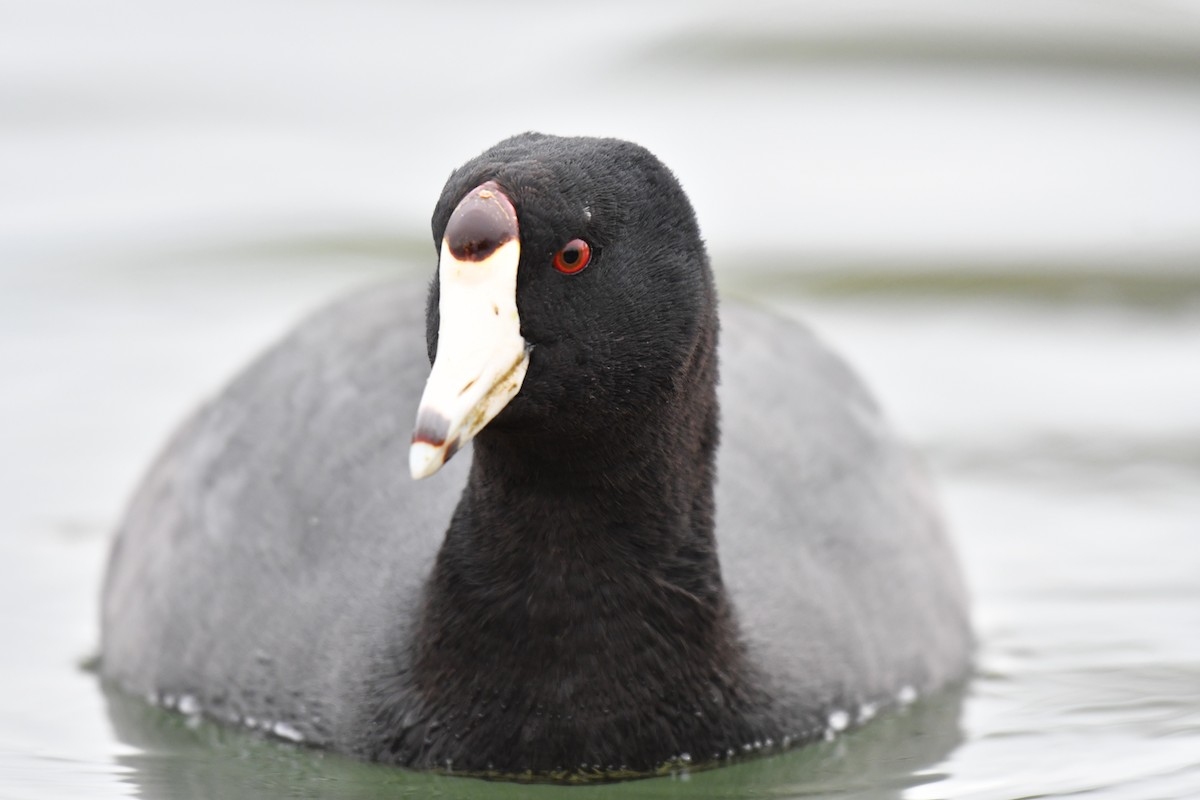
[993,212]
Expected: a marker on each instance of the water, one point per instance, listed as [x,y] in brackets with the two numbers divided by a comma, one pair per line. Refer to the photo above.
[993,212]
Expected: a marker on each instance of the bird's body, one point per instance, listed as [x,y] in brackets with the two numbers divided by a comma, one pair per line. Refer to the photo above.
[584,611]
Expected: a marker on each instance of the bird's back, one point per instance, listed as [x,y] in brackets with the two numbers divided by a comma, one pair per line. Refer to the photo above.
[846,587]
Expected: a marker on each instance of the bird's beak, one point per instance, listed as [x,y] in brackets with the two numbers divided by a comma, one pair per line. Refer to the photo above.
[481,356]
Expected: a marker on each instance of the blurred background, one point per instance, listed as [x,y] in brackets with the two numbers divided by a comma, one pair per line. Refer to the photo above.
[992,209]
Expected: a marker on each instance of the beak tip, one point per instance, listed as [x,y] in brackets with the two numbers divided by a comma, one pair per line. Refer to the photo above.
[424,459]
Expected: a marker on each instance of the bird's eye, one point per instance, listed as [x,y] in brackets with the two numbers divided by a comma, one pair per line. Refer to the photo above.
[573,257]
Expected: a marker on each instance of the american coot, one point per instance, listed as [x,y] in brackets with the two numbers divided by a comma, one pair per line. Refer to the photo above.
[597,589]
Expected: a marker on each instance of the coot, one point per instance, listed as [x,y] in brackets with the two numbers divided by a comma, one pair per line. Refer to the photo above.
[611,577]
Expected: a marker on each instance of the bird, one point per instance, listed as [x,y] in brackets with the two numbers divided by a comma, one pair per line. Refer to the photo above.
[556,516]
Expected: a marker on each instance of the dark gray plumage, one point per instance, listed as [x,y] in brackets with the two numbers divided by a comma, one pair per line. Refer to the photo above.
[274,568]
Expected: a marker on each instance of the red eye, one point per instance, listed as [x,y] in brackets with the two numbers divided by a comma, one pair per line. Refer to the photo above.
[573,257]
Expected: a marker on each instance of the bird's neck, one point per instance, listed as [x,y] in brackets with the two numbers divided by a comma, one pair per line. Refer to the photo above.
[559,546]
[591,518]
[582,581]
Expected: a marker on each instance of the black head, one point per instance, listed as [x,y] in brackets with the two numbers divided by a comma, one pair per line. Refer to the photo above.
[618,337]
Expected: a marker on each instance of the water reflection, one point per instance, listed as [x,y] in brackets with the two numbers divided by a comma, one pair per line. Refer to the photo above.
[183,758]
